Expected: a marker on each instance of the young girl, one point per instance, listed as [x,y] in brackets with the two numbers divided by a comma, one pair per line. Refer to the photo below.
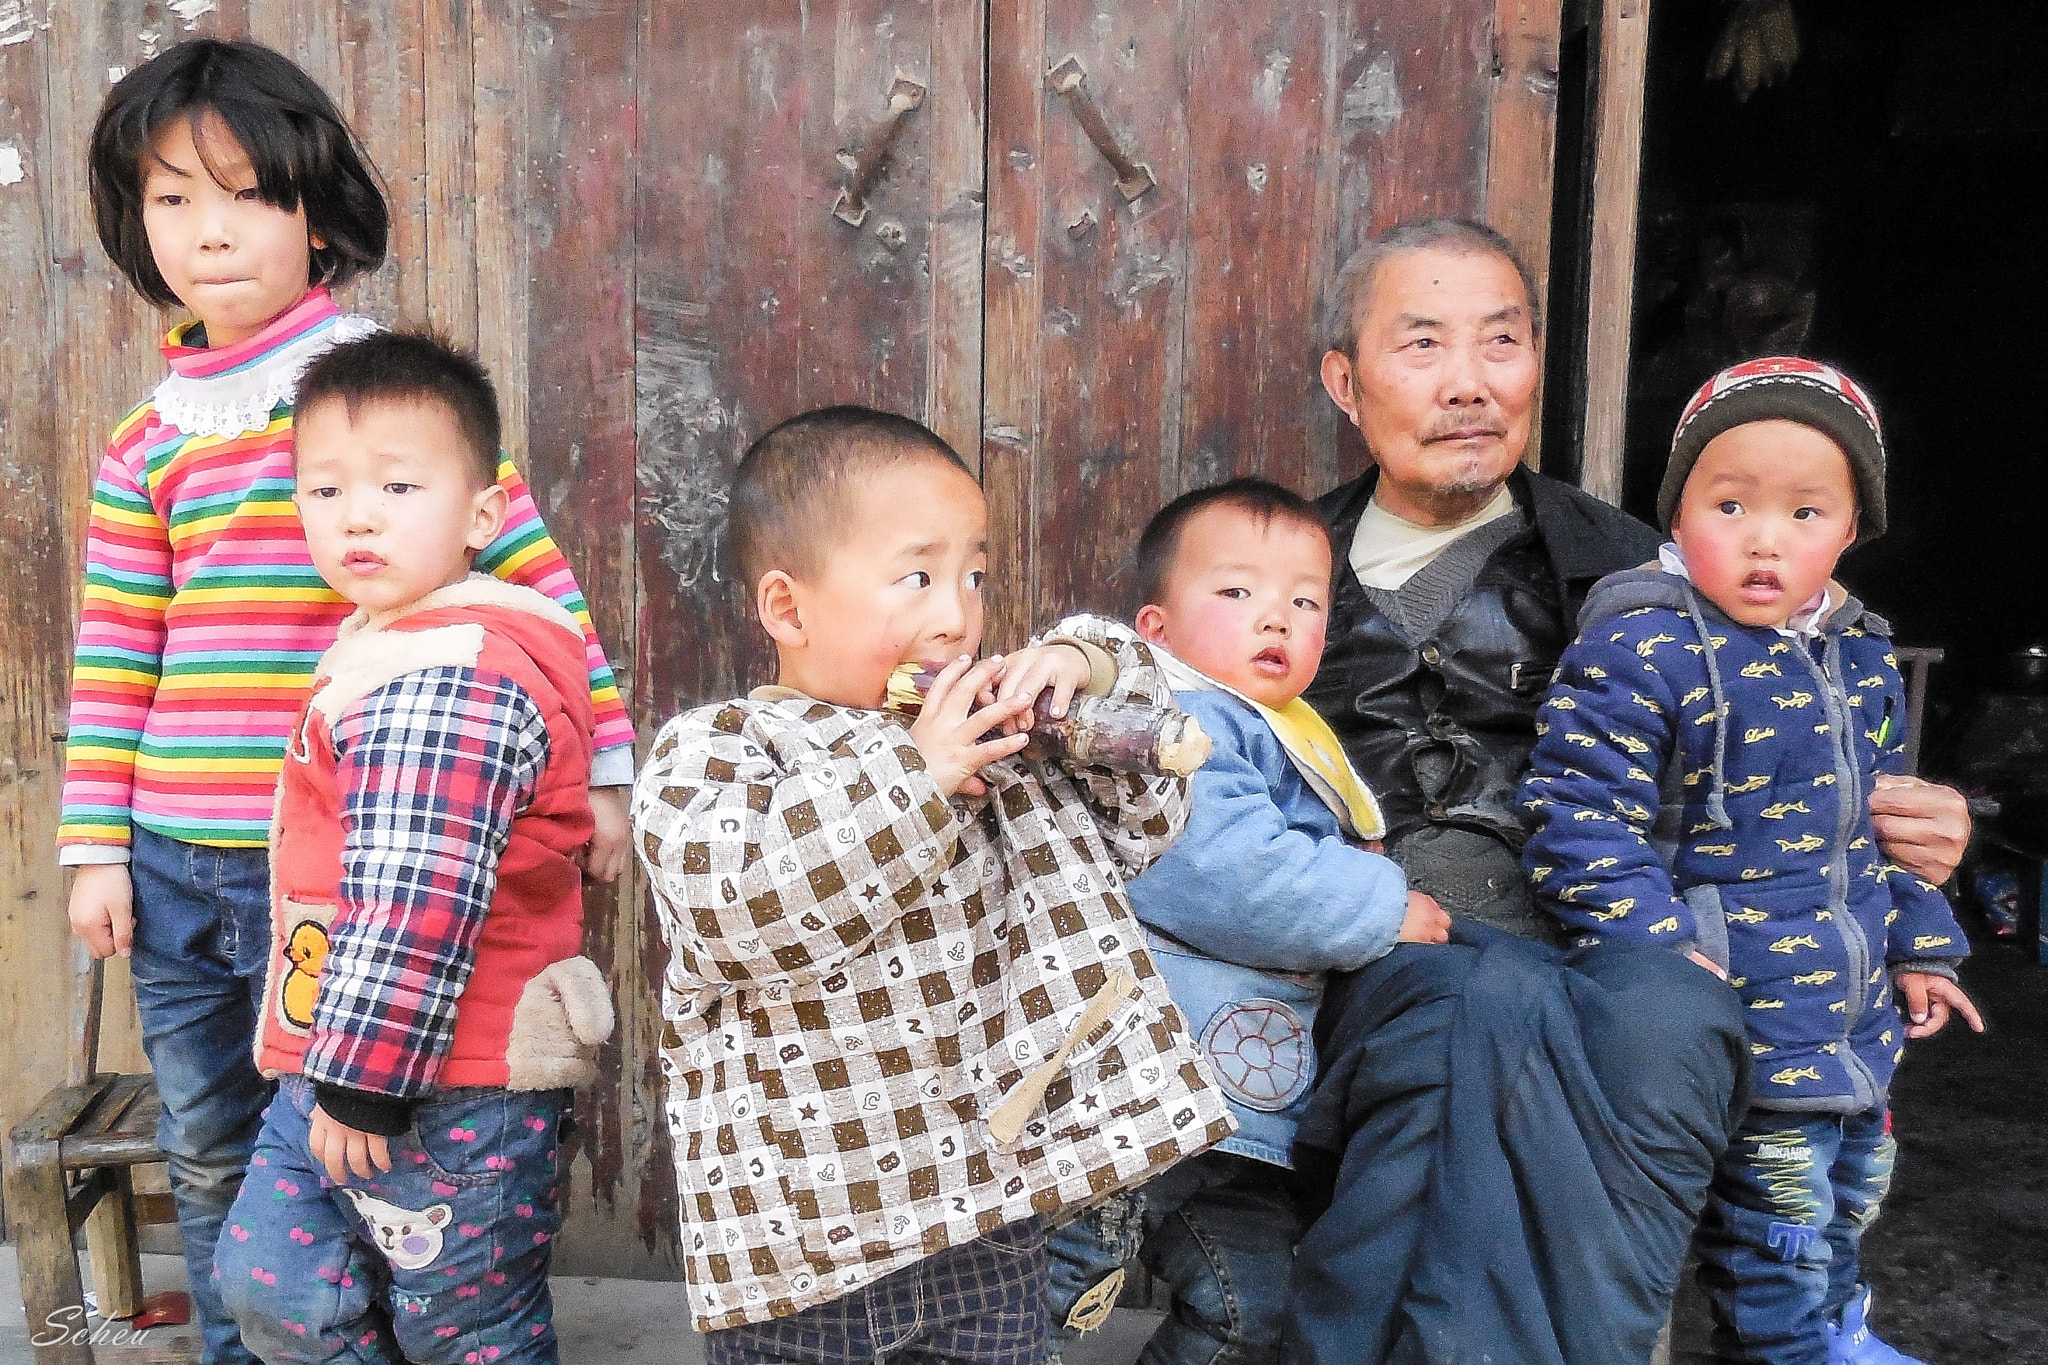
[223,179]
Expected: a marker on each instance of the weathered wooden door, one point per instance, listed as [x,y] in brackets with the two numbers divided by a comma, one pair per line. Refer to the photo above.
[1091,258]
[1088,246]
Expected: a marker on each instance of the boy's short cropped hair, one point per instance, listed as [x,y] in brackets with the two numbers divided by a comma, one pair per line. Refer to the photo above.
[1260,499]
[793,490]
[412,367]
[297,142]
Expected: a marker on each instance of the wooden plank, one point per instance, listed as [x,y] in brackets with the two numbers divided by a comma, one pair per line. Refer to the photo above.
[1013,360]
[80,347]
[1255,140]
[35,593]
[1521,161]
[111,1246]
[578,67]
[449,163]
[1624,38]
[959,181]
[498,123]
[1113,297]
[1408,110]
[865,324]
[718,320]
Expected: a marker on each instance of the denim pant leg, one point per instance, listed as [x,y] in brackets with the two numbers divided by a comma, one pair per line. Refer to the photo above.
[1085,1254]
[1861,1176]
[298,1281]
[202,936]
[1221,1232]
[1764,1246]
[444,1257]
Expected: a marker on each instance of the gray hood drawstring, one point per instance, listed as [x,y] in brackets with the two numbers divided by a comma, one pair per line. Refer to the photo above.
[1717,807]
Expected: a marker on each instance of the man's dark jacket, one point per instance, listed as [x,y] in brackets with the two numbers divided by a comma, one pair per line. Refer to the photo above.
[1441,728]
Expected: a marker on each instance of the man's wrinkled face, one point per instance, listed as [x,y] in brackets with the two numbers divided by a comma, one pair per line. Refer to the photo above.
[1443,380]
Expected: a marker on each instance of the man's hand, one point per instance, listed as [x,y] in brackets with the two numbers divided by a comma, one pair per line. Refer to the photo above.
[1929,998]
[604,857]
[1061,669]
[1923,828]
[102,908]
[1425,921]
[948,731]
[342,1149]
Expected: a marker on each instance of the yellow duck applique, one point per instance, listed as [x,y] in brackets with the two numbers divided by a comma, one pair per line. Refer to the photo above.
[306,952]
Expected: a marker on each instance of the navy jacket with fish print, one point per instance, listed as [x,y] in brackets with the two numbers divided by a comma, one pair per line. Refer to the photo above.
[1706,785]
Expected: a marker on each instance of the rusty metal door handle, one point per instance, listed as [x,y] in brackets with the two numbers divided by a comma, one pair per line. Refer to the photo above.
[905,95]
[1070,79]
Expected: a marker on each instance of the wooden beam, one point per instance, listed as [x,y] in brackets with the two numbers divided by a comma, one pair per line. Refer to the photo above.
[1624,37]
[1521,160]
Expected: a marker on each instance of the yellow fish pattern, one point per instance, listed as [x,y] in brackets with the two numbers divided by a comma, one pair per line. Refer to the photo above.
[1769,733]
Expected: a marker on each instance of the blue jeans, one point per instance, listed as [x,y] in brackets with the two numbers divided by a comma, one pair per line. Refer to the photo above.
[202,939]
[444,1257]
[1778,1246]
[1220,1230]
[978,1304]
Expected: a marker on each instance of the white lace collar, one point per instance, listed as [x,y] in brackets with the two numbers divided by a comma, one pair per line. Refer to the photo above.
[242,400]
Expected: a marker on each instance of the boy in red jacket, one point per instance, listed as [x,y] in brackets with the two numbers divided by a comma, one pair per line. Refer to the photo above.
[427,1008]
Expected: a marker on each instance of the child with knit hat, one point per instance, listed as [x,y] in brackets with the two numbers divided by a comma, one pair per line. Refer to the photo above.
[1702,780]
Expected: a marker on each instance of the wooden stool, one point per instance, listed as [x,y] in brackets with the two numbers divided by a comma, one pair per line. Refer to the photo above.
[69,1165]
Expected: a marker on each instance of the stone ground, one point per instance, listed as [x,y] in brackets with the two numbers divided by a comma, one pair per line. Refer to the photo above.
[1960,1259]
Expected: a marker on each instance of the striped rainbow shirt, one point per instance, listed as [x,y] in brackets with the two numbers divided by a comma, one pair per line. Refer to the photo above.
[204,616]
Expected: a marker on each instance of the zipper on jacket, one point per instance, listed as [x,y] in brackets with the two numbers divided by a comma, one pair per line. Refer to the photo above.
[1850,788]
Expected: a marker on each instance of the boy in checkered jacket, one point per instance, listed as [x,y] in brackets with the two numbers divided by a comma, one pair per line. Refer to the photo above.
[883,930]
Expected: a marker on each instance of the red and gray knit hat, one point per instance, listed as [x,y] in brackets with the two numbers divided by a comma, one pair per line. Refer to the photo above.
[1784,388]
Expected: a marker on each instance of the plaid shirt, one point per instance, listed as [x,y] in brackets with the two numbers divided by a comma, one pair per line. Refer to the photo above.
[862,970]
[432,769]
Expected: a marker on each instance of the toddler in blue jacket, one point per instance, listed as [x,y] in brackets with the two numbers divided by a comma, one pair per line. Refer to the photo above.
[1702,779]
[1273,884]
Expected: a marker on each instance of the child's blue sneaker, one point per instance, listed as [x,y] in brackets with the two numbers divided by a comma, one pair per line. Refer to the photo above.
[1851,1342]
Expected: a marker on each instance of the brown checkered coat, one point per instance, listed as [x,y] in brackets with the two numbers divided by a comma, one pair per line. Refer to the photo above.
[860,972]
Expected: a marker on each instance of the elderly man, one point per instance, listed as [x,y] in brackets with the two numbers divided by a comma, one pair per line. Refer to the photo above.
[1518,1138]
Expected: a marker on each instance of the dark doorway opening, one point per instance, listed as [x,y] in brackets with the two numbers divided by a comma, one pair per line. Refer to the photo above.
[1873,204]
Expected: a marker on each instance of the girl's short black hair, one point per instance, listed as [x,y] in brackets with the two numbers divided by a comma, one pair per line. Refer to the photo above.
[301,149]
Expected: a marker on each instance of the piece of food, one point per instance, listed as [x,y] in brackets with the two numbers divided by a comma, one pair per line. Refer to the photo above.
[1096,732]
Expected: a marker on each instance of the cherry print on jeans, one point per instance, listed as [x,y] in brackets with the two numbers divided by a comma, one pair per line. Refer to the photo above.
[1260,1052]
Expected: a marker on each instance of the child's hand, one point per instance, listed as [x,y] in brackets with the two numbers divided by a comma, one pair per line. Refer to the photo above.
[1425,921]
[342,1149]
[1062,669]
[948,730]
[1929,998]
[102,908]
[604,857]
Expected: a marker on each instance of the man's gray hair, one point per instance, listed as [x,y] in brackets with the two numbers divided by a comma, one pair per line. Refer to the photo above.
[1462,236]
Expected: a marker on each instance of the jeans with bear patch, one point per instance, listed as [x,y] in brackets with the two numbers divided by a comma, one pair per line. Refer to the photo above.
[442,1260]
